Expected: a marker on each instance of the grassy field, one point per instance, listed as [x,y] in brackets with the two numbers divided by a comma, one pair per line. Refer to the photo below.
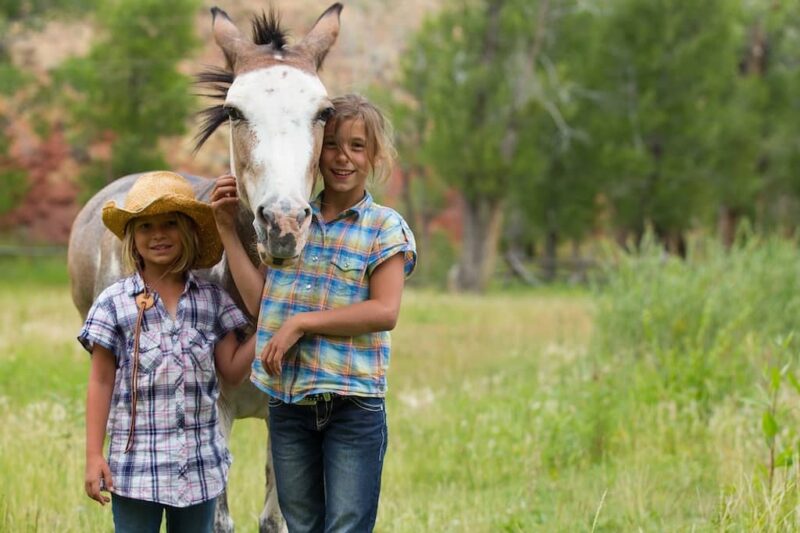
[657,403]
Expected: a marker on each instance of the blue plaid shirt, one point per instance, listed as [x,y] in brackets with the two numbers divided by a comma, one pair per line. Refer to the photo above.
[333,271]
[179,456]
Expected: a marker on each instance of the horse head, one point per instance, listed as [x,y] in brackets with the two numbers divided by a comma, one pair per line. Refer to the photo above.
[276,107]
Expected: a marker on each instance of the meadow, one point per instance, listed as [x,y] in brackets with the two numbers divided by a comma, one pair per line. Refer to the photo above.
[662,399]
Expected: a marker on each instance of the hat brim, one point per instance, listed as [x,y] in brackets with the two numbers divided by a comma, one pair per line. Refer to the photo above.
[116,220]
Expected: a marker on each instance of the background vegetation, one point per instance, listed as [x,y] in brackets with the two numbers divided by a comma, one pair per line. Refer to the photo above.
[550,121]
[660,397]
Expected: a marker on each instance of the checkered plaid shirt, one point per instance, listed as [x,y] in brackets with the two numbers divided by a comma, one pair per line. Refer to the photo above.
[333,271]
[179,456]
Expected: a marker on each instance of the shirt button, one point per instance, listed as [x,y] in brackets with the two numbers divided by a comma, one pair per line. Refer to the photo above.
[308,286]
[314,258]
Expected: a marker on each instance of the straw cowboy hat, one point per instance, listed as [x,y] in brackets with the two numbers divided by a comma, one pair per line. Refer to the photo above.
[159,192]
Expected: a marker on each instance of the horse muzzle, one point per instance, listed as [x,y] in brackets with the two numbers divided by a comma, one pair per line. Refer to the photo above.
[281,232]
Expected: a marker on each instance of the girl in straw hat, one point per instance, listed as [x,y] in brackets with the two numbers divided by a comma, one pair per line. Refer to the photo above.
[158,339]
[323,328]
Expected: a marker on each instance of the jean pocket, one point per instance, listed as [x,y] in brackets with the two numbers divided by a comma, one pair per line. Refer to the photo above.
[373,405]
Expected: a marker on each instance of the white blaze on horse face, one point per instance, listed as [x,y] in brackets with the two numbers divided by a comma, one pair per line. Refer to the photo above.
[276,151]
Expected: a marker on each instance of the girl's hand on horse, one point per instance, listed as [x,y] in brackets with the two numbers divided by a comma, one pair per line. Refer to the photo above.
[97,468]
[225,203]
[283,339]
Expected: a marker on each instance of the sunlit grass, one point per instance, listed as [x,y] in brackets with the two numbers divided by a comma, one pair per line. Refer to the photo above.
[462,387]
[637,407]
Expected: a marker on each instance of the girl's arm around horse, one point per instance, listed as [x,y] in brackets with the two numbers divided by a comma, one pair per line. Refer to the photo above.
[232,359]
[378,313]
[98,403]
[249,280]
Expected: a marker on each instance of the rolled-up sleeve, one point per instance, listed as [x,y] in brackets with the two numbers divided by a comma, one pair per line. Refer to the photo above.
[230,317]
[101,328]
[393,238]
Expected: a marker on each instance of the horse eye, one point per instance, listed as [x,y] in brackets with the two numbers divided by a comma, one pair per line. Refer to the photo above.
[325,115]
[233,113]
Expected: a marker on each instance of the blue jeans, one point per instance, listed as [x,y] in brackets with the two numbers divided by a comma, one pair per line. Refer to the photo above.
[140,516]
[328,460]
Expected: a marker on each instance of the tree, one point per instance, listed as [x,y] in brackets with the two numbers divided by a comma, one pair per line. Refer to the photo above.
[468,86]
[559,190]
[666,65]
[15,18]
[128,87]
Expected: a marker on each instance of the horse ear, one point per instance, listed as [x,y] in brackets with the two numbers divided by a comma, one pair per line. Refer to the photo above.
[229,38]
[317,42]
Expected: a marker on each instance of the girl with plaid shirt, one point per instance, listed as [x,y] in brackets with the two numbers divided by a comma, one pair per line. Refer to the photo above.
[158,339]
[323,328]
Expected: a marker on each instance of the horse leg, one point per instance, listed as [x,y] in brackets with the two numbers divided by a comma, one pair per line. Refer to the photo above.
[271,519]
[223,523]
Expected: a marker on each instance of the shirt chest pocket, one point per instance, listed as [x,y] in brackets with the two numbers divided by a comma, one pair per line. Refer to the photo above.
[201,352]
[348,275]
[150,354]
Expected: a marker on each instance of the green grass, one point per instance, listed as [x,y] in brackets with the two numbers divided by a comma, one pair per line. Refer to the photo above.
[637,407]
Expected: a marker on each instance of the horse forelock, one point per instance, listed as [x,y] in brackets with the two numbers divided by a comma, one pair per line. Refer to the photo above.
[267,30]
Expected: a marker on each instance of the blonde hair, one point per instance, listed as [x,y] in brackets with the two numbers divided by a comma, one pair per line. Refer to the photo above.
[190,246]
[379,142]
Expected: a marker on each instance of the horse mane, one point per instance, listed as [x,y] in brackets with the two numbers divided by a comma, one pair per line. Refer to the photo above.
[267,31]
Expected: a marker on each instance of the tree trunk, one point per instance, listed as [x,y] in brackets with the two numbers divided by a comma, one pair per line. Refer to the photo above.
[550,255]
[728,220]
[483,220]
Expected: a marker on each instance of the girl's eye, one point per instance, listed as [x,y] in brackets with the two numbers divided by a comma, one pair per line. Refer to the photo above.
[233,113]
[172,223]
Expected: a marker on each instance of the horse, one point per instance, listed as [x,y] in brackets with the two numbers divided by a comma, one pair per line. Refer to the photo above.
[276,107]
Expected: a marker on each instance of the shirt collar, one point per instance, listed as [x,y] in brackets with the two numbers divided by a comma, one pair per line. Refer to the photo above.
[134,284]
[358,209]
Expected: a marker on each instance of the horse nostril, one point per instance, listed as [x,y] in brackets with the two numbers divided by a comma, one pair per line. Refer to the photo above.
[304,214]
[266,217]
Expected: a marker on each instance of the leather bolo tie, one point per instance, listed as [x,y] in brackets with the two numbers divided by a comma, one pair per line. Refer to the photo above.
[144,301]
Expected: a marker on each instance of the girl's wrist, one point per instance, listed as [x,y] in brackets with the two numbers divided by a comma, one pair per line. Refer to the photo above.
[301,322]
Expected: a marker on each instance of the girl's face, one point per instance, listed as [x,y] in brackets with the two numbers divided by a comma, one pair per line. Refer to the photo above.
[158,240]
[345,169]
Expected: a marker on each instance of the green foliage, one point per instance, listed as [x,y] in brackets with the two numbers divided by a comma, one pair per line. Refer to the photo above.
[29,10]
[15,184]
[14,180]
[662,69]
[699,327]
[461,73]
[11,79]
[436,260]
[129,84]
